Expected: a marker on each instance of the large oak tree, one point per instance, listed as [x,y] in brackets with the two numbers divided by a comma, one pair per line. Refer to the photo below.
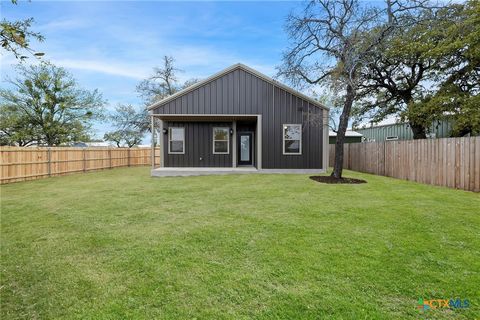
[331,40]
[46,105]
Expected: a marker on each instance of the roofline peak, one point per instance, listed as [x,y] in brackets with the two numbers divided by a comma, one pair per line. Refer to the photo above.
[229,69]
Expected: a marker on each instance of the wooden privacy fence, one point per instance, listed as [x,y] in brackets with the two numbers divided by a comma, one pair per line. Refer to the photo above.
[19,164]
[449,162]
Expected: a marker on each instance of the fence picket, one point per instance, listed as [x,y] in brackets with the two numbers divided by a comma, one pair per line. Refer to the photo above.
[20,164]
[450,162]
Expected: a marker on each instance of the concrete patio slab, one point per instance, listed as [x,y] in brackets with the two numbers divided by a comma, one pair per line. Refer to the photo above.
[191,171]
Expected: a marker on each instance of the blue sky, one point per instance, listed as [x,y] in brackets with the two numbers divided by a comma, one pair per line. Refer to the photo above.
[113,45]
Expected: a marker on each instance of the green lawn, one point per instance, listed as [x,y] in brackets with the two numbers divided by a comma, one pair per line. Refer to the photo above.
[118,244]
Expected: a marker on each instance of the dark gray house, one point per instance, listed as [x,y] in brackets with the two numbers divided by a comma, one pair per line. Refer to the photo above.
[240,120]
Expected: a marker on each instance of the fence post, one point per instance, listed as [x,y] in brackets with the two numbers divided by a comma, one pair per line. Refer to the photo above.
[49,159]
[84,160]
[384,158]
[110,156]
[128,156]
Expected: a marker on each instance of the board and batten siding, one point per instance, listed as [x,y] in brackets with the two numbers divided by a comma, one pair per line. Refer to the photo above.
[198,145]
[241,92]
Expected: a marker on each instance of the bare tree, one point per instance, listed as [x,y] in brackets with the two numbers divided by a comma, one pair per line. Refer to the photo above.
[331,39]
[163,83]
[315,119]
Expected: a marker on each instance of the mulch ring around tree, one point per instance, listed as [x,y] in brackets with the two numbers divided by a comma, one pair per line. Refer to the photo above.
[333,180]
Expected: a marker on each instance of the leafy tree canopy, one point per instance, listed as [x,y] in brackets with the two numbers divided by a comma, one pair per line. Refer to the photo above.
[45,105]
[130,125]
[15,37]
[426,71]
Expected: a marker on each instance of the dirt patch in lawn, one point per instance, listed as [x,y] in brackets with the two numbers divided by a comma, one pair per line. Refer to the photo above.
[333,180]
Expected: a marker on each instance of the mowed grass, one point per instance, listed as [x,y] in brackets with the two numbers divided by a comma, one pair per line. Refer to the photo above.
[118,244]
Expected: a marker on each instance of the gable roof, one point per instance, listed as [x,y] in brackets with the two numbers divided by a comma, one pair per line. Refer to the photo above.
[228,70]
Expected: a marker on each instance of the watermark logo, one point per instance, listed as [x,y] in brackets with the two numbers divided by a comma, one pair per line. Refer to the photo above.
[433,304]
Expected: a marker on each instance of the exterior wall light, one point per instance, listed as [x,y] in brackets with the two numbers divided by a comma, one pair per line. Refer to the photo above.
[165,131]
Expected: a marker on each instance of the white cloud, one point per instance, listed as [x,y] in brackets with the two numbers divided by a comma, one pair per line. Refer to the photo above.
[62,24]
[105,66]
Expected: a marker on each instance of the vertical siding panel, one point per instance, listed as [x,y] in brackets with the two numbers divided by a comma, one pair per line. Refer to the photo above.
[195,146]
[207,156]
[229,90]
[255,88]
[231,95]
[253,95]
[310,130]
[304,115]
[194,103]
[279,117]
[283,119]
[194,142]
[263,91]
[272,131]
[182,157]
[178,106]
[217,96]
[201,100]
[222,95]
[249,84]
[210,102]
[305,129]
[242,94]
[236,93]
[188,103]
[183,108]
[206,97]
[291,160]
[277,122]
[318,144]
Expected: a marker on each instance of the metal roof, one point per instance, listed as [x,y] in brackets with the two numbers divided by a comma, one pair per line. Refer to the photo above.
[348,133]
[230,69]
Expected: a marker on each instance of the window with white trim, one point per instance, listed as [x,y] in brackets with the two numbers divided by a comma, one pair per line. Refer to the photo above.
[221,140]
[292,139]
[176,140]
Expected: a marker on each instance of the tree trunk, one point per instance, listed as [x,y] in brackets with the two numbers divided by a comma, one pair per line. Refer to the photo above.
[418,131]
[342,128]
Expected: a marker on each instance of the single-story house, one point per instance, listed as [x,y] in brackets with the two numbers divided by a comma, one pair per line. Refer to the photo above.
[350,137]
[240,120]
